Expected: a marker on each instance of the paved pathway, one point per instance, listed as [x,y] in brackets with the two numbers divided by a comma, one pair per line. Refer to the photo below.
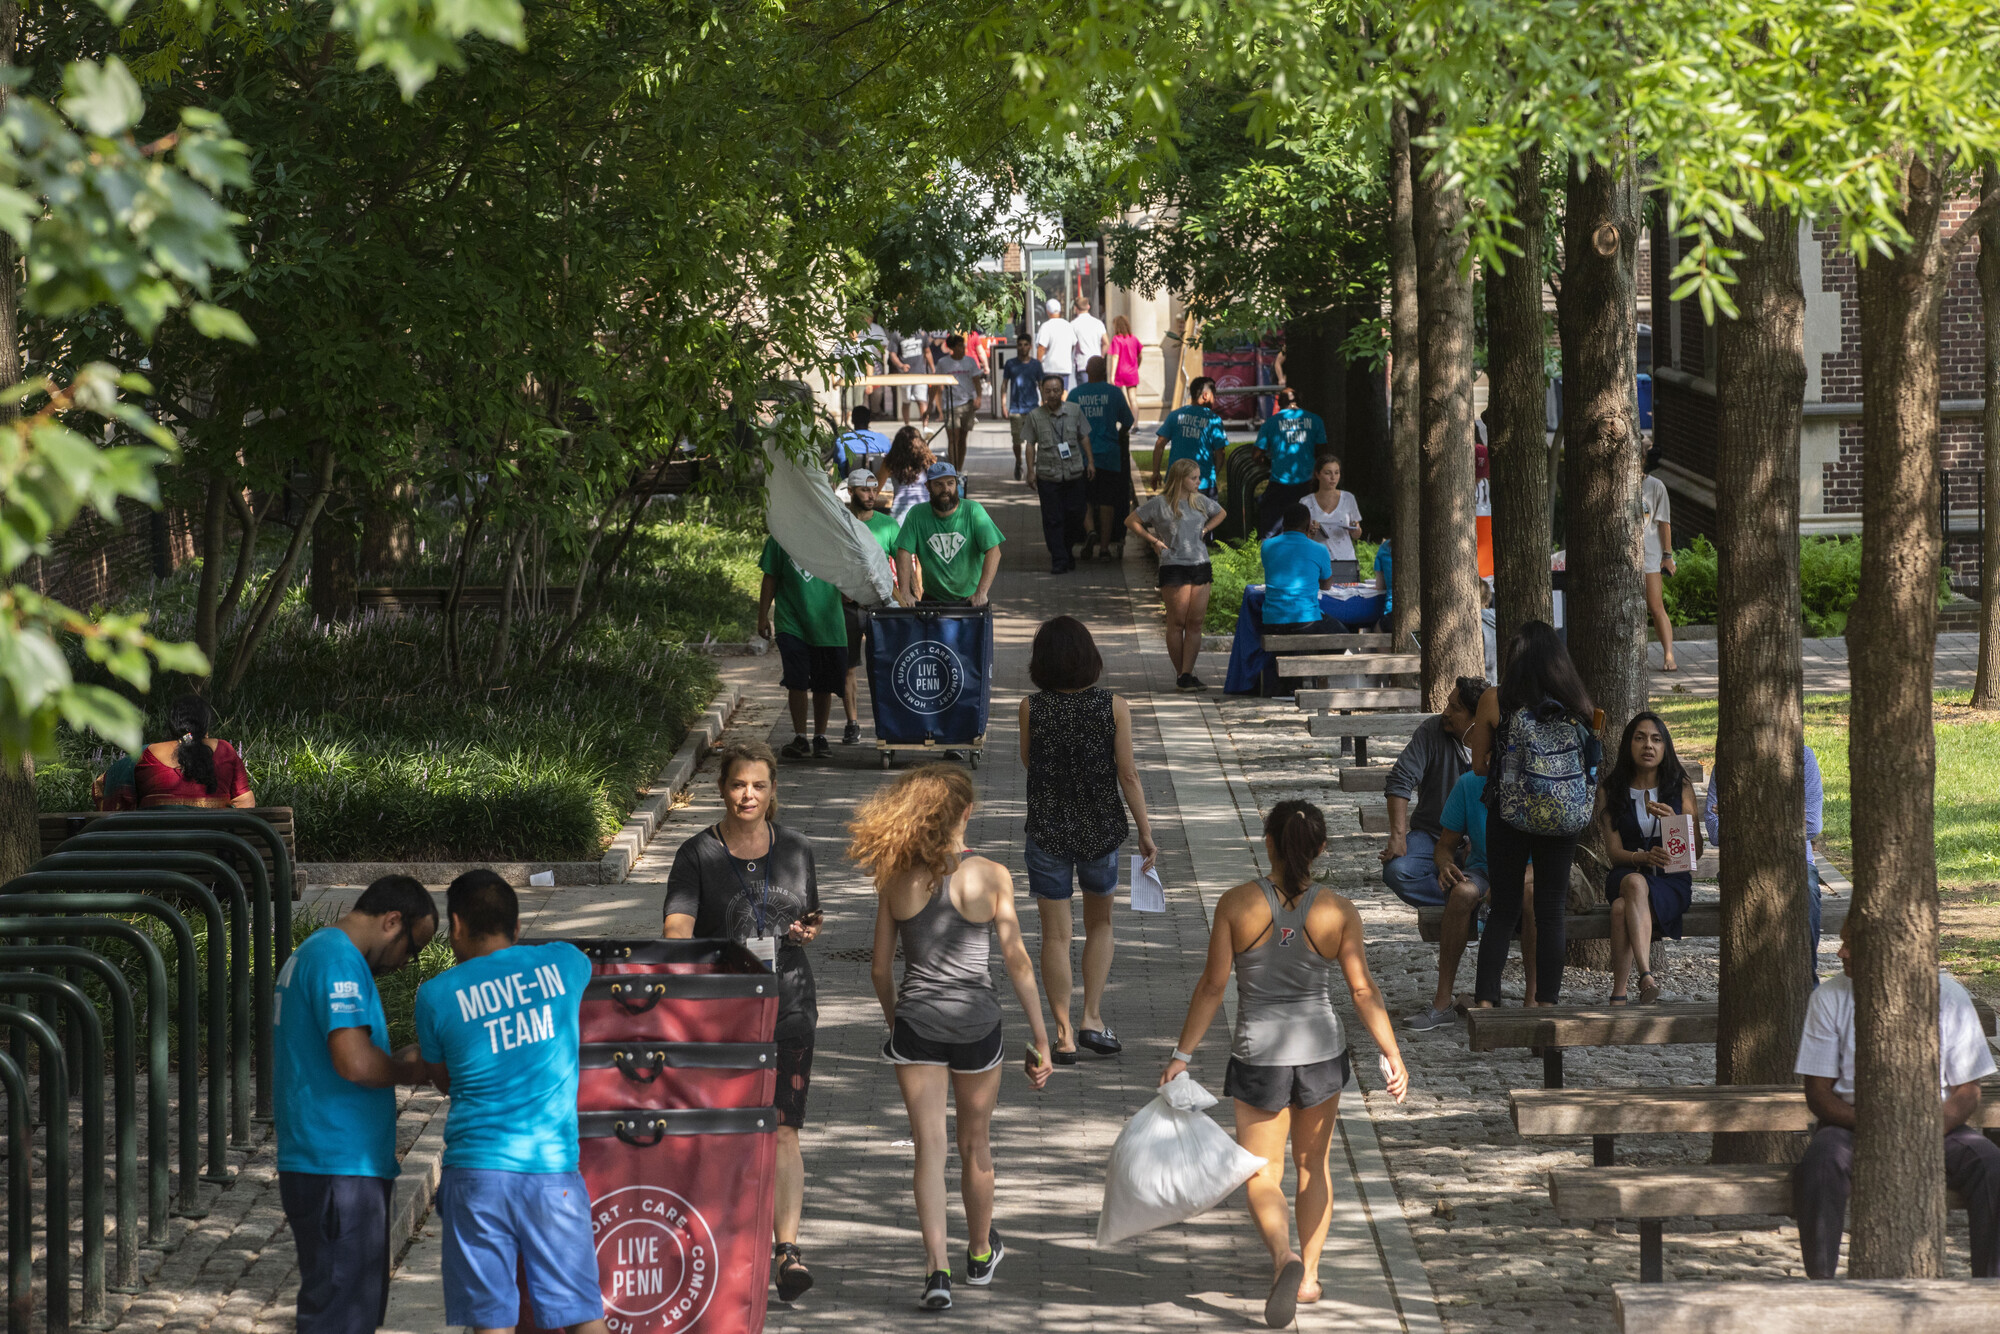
[1825,666]
[860,1232]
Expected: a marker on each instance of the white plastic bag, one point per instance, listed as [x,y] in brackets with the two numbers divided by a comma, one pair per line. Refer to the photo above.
[1170,1163]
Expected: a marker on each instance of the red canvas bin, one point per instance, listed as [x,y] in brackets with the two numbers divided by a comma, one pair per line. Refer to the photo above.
[680,1210]
[676,991]
[677,1075]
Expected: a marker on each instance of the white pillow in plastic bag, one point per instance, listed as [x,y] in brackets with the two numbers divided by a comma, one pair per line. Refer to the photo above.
[1171,1162]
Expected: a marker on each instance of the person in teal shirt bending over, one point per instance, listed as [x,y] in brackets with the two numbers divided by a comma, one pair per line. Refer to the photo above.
[1296,568]
[1291,439]
[1110,487]
[335,1102]
[1193,432]
[500,1034]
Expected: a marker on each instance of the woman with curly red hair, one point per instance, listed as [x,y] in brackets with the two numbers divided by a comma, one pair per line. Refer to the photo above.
[944,906]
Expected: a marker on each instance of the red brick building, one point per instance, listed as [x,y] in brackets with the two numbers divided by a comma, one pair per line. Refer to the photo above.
[1830,439]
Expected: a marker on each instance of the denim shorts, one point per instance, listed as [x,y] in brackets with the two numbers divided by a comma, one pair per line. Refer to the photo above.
[1049,875]
[500,1224]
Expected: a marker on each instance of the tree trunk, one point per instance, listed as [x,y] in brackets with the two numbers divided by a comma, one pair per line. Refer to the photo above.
[1760,387]
[20,830]
[1898,1211]
[248,521]
[208,598]
[335,554]
[1986,683]
[583,606]
[1598,315]
[1517,414]
[474,522]
[1452,644]
[496,661]
[1405,393]
[388,534]
[281,578]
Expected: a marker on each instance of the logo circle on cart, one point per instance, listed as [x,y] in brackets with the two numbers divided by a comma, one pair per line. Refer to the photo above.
[928,677]
[656,1260]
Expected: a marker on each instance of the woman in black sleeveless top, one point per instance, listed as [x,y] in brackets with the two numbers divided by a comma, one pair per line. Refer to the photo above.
[1645,787]
[1076,741]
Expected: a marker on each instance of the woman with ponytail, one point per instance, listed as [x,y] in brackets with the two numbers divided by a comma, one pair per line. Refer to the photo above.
[193,769]
[1289,1058]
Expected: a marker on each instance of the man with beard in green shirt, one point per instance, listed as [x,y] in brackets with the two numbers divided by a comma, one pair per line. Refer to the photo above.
[950,543]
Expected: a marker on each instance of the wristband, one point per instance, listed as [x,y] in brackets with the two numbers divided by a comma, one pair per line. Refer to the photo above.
[1183,1057]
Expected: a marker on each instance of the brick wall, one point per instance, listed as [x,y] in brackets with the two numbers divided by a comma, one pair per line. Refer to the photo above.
[94,561]
[1684,428]
[1961,555]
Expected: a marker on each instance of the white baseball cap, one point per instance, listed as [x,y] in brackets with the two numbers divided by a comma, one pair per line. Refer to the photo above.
[1054,307]
[861,477]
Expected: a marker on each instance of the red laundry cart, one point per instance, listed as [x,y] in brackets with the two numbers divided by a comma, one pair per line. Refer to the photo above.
[680,1206]
[677,1075]
[676,991]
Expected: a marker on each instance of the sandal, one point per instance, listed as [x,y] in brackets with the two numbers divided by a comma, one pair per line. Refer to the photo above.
[1649,990]
[1283,1303]
[1621,999]
[1056,1053]
[794,1279]
[1100,1040]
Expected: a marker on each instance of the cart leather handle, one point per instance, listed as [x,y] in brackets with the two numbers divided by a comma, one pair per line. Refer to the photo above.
[649,997]
[623,1129]
[630,1066]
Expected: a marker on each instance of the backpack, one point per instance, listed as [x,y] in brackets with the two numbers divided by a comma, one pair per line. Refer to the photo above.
[1545,775]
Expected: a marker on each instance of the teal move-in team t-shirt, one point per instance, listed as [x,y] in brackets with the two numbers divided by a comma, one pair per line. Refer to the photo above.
[327,1125]
[505,1026]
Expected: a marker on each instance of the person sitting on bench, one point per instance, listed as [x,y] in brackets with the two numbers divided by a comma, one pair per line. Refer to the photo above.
[1427,770]
[1826,1176]
[1465,818]
[1296,568]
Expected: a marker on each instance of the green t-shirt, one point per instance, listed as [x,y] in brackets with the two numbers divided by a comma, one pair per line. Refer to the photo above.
[950,550]
[807,608]
[886,531]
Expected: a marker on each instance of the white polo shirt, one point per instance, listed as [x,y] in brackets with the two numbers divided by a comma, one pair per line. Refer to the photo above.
[1826,1048]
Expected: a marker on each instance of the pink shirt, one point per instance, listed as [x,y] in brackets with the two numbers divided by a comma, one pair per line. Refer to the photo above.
[1125,348]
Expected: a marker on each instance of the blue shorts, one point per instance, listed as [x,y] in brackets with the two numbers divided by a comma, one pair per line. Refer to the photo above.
[1049,874]
[498,1225]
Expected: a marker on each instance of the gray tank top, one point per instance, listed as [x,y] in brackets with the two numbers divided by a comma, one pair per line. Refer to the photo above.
[1284,1013]
[947,989]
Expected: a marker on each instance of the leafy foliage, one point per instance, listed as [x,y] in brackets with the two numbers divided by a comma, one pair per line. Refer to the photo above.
[1829,581]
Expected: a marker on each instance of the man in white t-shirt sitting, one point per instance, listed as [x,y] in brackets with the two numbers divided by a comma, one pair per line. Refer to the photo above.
[1055,346]
[1826,1176]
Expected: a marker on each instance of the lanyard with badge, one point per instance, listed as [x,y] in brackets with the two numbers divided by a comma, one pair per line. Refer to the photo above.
[764,944]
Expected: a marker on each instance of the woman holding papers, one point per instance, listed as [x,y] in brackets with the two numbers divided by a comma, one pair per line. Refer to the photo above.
[1643,797]
[1076,741]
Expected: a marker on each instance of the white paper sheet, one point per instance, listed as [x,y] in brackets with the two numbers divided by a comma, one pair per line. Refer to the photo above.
[1148,894]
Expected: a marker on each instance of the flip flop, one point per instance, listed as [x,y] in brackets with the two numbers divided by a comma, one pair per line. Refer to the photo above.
[1100,1040]
[1649,990]
[1283,1303]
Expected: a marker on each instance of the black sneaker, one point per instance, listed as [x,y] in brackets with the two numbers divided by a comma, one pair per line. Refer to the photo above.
[1193,682]
[1185,681]
[1017,470]
[937,1291]
[851,734]
[799,749]
[979,1272]
[822,748]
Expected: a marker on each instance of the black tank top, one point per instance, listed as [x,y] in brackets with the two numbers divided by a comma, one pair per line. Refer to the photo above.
[1074,806]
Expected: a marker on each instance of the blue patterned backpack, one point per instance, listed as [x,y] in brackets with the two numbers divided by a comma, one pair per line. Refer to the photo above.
[1545,775]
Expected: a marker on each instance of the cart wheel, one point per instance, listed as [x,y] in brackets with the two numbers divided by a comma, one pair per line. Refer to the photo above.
[975,759]
[885,759]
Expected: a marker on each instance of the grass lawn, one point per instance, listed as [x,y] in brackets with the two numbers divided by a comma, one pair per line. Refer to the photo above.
[1968,812]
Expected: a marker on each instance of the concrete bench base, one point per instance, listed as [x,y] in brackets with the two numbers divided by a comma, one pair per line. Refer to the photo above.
[1907,1306]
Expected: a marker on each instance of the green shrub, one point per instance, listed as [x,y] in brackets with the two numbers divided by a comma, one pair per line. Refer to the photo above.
[1236,567]
[1829,581]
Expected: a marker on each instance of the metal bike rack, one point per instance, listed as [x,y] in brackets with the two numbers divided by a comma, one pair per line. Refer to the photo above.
[245,998]
[84,901]
[158,1127]
[20,1202]
[55,1116]
[89,1085]
[124,1100]
[238,822]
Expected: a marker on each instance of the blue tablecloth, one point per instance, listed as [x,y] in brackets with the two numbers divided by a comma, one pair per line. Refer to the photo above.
[1354,611]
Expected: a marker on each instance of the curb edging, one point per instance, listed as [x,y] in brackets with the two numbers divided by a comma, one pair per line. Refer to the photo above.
[416,1188]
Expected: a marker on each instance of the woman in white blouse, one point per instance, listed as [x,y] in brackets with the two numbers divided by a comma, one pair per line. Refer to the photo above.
[1336,519]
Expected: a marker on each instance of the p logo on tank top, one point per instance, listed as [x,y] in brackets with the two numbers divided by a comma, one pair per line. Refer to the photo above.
[1285,934]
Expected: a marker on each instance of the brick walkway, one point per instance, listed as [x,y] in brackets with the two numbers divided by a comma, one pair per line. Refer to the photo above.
[1825,666]
[860,1229]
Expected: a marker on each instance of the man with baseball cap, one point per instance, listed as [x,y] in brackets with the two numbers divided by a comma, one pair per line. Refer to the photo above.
[949,550]
[862,491]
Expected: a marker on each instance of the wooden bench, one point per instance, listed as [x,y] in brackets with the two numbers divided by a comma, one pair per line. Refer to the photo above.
[1364,780]
[1366,641]
[1329,701]
[1651,1195]
[1685,1109]
[1335,710]
[1351,664]
[1904,1306]
[57,826]
[1555,1027]
[1702,920]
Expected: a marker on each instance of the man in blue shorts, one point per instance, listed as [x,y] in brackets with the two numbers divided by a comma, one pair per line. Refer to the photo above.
[499,1032]
[335,1102]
